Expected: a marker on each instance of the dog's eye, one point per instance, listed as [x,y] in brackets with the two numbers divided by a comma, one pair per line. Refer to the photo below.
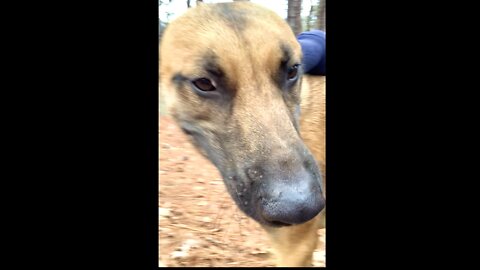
[292,72]
[204,84]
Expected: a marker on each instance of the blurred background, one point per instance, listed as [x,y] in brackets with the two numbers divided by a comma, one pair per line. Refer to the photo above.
[301,15]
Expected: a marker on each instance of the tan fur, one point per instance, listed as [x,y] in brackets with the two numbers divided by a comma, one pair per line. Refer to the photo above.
[259,114]
[294,245]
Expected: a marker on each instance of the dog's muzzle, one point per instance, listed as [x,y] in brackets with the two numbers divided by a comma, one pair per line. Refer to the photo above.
[288,199]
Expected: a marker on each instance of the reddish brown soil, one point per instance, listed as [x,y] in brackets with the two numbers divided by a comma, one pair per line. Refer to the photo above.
[199,223]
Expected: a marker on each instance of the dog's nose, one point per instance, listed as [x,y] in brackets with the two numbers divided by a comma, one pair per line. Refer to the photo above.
[293,201]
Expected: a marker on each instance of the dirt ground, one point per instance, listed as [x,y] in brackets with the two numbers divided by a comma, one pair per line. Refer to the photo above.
[199,223]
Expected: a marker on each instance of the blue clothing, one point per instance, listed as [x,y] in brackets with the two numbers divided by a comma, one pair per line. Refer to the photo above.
[313,47]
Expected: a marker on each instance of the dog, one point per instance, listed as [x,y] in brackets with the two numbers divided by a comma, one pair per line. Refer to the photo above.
[231,77]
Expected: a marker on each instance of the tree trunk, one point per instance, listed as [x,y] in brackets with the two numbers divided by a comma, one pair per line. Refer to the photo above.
[294,16]
[321,22]
[310,20]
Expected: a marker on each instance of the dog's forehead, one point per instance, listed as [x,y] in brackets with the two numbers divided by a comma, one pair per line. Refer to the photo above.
[234,33]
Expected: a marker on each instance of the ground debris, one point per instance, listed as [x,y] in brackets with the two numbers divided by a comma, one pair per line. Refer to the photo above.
[164,212]
[200,224]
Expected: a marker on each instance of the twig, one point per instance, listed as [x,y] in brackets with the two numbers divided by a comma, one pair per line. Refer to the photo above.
[195,229]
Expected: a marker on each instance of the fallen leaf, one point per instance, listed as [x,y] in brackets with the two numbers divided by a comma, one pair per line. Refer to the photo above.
[164,212]
[207,219]
[178,254]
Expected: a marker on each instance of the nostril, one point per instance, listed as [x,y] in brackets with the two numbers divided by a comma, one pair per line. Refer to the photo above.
[283,218]
[291,208]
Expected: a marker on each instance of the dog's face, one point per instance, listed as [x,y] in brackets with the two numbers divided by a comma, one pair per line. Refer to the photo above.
[231,77]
